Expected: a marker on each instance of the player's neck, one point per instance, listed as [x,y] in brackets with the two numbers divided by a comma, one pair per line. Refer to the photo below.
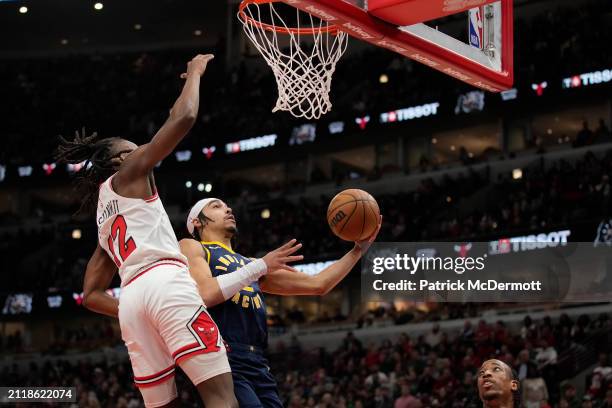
[498,404]
[222,239]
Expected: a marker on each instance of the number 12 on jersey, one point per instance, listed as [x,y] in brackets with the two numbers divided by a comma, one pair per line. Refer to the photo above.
[117,235]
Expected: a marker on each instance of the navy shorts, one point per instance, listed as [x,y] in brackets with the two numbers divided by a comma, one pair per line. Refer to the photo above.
[254,385]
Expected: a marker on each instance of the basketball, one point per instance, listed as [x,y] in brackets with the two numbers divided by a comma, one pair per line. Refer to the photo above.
[353,215]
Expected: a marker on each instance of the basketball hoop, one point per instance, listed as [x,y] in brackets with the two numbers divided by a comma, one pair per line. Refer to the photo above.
[303,59]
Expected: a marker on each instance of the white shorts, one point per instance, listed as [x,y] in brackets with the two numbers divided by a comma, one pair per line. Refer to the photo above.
[163,323]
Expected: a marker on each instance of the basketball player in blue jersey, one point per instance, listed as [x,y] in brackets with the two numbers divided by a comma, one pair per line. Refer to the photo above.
[239,309]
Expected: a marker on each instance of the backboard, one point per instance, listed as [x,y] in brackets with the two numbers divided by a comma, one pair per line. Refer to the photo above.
[484,60]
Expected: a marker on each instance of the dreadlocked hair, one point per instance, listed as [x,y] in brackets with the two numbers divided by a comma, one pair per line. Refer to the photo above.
[95,154]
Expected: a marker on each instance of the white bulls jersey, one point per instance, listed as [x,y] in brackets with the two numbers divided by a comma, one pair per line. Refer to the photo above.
[135,233]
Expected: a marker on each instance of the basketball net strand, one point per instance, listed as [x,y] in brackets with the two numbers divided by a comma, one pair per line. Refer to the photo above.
[303,77]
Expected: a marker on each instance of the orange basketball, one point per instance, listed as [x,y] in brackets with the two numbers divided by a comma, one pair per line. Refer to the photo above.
[353,215]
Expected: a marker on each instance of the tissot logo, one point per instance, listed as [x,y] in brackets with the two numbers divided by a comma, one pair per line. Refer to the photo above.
[340,215]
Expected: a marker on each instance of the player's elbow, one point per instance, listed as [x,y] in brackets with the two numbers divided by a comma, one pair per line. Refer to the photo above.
[322,291]
[89,301]
[319,288]
[185,118]
[86,300]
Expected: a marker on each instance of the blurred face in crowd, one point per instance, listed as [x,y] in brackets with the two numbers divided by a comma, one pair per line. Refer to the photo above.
[523,356]
[220,221]
[495,384]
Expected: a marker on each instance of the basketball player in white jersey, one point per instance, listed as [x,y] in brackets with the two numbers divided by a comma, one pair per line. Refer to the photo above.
[163,320]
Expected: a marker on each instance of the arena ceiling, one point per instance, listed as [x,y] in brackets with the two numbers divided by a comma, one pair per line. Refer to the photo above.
[67,26]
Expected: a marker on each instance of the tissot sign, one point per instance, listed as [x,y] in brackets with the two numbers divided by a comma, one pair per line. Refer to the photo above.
[529,242]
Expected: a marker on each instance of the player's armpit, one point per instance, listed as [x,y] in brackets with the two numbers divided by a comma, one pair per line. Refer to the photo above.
[290,283]
[200,272]
[98,277]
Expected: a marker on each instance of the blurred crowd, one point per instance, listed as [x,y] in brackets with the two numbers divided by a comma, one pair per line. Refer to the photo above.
[437,369]
[468,206]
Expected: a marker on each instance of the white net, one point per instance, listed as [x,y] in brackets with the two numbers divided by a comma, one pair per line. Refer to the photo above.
[303,59]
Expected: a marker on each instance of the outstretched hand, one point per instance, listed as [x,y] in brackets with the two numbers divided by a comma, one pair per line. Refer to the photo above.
[197,66]
[364,245]
[281,256]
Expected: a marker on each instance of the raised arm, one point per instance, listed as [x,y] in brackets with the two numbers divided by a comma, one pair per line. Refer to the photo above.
[288,283]
[98,277]
[182,117]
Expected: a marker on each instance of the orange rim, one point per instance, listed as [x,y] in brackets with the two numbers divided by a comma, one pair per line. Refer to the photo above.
[246,19]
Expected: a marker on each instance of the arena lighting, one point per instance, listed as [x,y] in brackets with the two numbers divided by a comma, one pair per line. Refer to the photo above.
[48,168]
[2,172]
[470,102]
[539,88]
[98,6]
[384,79]
[336,127]
[183,155]
[251,144]
[313,268]
[137,26]
[188,184]
[517,174]
[64,41]
[414,112]
[529,242]
[200,187]
[265,214]
[54,301]
[208,187]
[76,233]
[23,9]
[24,171]
[73,168]
[509,95]
[209,151]
[197,33]
[362,122]
[588,78]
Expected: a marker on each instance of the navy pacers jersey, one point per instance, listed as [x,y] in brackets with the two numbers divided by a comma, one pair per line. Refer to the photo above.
[242,318]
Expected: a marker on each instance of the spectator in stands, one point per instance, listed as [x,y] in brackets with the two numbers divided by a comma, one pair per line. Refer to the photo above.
[406,399]
[535,392]
[607,402]
[601,376]
[602,133]
[434,337]
[584,136]
[568,396]
[524,365]
[587,402]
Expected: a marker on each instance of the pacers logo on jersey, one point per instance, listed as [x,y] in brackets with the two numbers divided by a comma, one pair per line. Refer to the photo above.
[247,297]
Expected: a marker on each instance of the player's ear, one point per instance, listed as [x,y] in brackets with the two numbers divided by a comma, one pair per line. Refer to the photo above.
[514,386]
